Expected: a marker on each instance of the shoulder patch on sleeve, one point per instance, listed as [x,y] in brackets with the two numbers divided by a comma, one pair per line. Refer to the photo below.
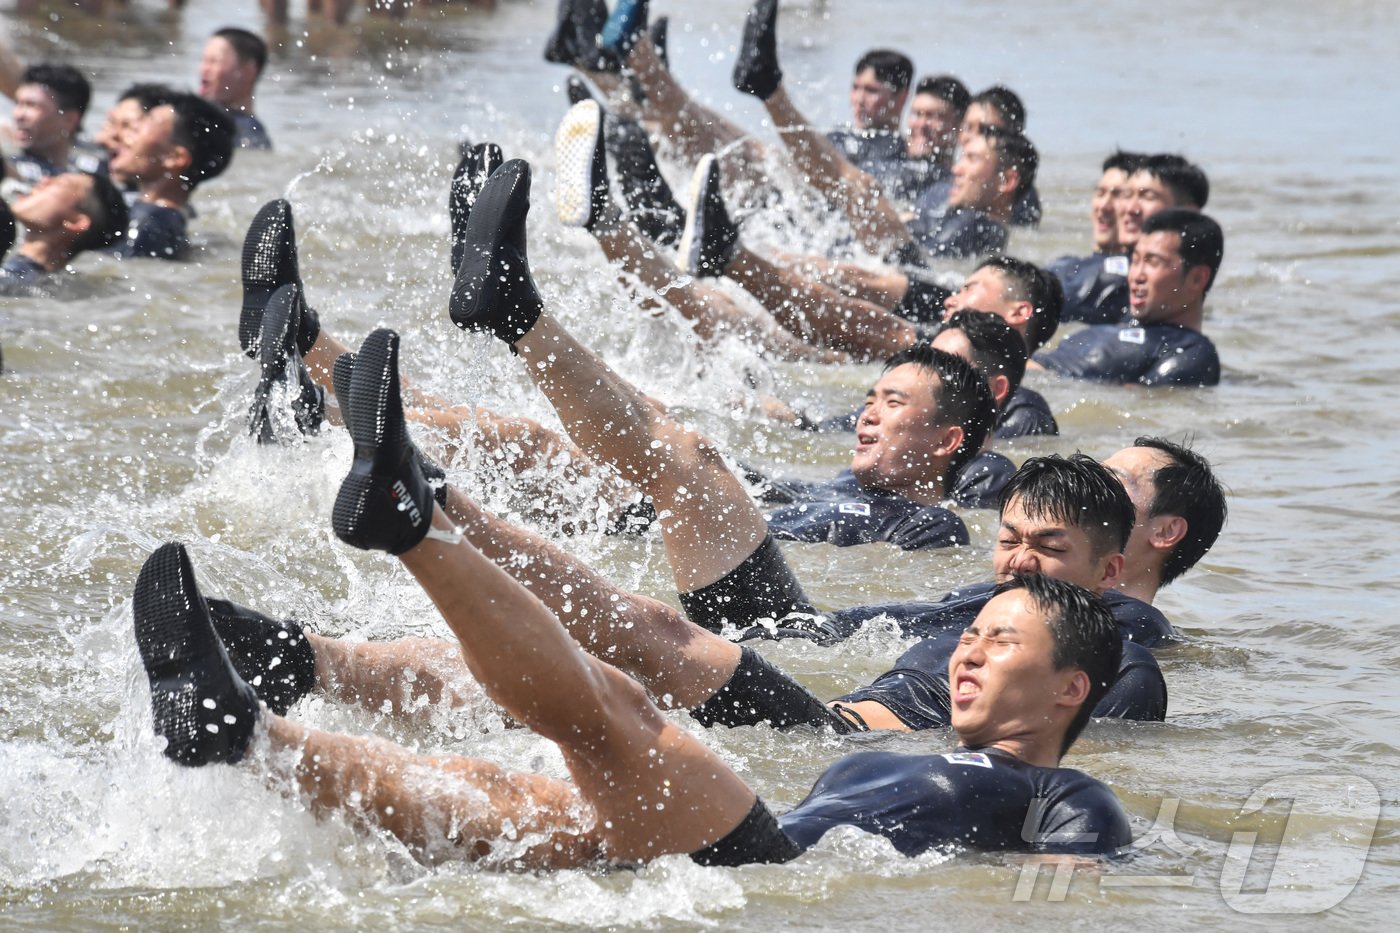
[1116,265]
[1132,335]
[977,759]
[855,508]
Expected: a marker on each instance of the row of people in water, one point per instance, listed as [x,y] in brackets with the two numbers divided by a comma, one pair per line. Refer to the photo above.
[1015,668]
[156,146]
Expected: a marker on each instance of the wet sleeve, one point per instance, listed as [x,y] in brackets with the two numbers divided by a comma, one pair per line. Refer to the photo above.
[931,527]
[1140,691]
[1195,364]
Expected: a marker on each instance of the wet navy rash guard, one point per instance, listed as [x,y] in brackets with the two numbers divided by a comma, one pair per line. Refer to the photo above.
[844,513]
[979,483]
[983,799]
[21,276]
[1096,288]
[154,233]
[1026,413]
[1151,355]
[954,232]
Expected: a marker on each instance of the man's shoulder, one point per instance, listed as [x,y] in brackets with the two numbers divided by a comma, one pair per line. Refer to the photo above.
[1139,621]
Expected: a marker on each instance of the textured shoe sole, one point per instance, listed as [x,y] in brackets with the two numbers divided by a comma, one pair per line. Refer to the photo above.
[576,153]
[269,262]
[477,295]
[178,644]
[273,352]
[375,509]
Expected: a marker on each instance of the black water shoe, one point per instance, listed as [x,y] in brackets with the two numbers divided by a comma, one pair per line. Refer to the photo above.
[494,291]
[756,68]
[272,656]
[710,237]
[199,703]
[477,164]
[384,503]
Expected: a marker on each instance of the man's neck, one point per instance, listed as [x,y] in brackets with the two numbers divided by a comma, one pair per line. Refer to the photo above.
[1032,749]
[1190,318]
[165,191]
[46,255]
[55,153]
[1142,585]
[240,105]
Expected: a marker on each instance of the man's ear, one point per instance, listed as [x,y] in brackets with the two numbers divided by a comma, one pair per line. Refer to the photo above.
[177,161]
[950,440]
[1112,573]
[1166,531]
[78,223]
[1001,388]
[1008,180]
[1019,314]
[1076,691]
[1198,277]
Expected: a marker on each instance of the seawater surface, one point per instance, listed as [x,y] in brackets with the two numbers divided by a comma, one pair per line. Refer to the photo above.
[122,426]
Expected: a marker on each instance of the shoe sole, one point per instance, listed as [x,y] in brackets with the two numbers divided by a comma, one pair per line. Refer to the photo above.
[693,238]
[177,642]
[270,237]
[576,152]
[273,357]
[475,291]
[375,416]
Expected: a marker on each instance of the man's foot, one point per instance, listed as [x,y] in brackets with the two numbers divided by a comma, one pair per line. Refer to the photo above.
[200,704]
[710,237]
[658,32]
[279,358]
[650,203]
[342,374]
[270,262]
[574,40]
[756,68]
[384,503]
[494,291]
[624,26]
[581,192]
[477,164]
[272,656]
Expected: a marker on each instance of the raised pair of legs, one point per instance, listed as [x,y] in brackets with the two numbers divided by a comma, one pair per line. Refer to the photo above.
[642,786]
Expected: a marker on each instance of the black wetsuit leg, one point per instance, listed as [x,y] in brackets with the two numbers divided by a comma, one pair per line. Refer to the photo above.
[762,587]
[757,839]
[760,693]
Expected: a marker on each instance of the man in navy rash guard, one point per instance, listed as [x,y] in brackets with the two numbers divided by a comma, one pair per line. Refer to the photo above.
[1064,518]
[1132,188]
[1027,673]
[1173,267]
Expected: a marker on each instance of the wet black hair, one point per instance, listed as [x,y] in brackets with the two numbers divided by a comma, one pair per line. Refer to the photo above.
[1202,240]
[1083,633]
[1029,282]
[962,398]
[996,347]
[1184,179]
[1005,102]
[149,95]
[1014,151]
[1125,162]
[1076,490]
[892,69]
[946,87]
[106,209]
[1187,487]
[70,90]
[207,132]
[248,46]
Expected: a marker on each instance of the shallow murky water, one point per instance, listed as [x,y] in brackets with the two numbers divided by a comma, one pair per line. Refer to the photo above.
[121,426]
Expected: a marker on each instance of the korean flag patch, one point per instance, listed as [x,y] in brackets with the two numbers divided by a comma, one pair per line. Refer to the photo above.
[976,759]
[855,508]
[1116,265]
